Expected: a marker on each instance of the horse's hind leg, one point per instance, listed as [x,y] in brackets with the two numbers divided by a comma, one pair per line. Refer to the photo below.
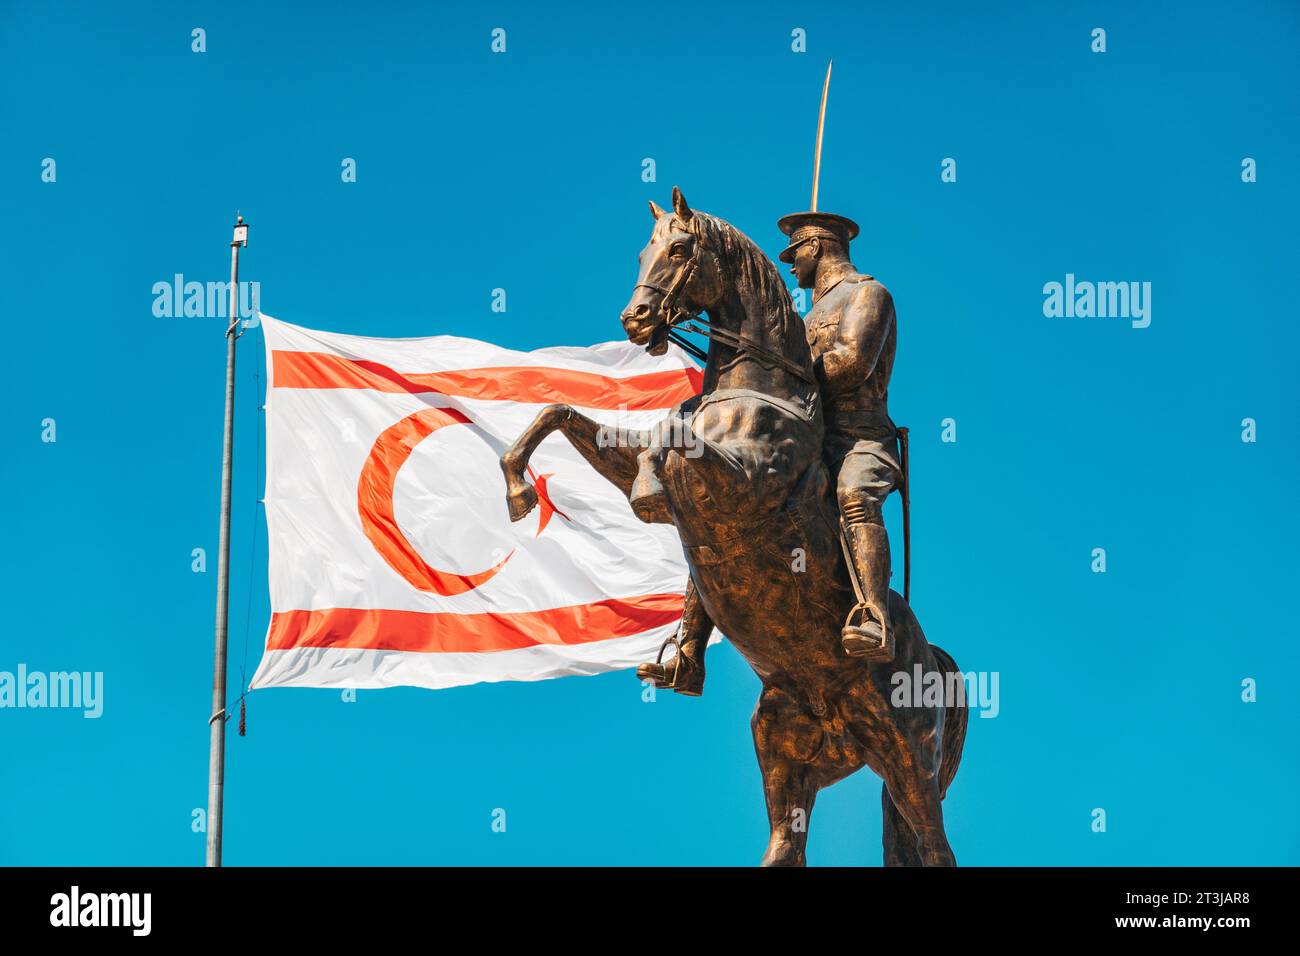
[900,841]
[915,794]
[784,738]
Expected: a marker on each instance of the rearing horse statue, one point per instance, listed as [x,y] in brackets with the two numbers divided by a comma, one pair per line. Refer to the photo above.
[758,520]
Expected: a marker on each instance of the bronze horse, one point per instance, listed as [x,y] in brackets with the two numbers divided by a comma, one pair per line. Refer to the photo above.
[759,523]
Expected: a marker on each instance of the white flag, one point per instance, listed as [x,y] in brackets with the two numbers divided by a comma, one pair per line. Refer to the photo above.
[393,560]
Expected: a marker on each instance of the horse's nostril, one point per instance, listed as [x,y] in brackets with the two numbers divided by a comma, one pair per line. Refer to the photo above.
[636,313]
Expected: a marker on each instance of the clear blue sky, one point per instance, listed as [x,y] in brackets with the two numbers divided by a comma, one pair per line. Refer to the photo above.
[1119,691]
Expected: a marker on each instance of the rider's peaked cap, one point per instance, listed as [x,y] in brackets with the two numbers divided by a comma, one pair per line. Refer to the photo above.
[802,226]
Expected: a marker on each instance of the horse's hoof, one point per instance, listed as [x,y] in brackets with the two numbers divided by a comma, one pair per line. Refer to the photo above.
[867,641]
[648,499]
[521,502]
[783,854]
[652,511]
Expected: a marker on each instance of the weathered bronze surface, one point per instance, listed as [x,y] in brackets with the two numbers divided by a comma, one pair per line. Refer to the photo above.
[795,440]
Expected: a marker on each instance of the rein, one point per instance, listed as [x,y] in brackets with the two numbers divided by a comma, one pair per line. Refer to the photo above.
[735,340]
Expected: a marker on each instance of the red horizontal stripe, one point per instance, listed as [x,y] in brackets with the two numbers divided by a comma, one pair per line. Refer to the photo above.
[508,384]
[432,633]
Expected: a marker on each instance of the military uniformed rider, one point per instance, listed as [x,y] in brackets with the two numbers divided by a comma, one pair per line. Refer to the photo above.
[852,332]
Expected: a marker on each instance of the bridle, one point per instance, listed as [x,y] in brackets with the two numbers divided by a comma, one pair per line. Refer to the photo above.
[684,320]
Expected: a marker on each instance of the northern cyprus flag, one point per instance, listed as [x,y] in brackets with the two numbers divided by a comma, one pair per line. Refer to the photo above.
[393,560]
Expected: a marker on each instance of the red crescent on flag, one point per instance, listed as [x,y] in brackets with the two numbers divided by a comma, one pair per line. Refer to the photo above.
[375,504]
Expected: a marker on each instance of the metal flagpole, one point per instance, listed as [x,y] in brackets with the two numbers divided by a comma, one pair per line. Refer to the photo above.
[217,722]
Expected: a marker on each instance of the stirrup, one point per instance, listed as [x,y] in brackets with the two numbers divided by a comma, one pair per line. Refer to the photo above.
[683,680]
[871,640]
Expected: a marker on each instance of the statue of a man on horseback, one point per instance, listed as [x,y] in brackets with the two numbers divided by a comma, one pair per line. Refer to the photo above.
[792,452]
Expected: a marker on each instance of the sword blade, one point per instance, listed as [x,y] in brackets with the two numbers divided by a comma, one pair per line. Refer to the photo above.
[821,126]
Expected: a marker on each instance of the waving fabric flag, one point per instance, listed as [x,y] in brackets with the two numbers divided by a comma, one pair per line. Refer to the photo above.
[393,560]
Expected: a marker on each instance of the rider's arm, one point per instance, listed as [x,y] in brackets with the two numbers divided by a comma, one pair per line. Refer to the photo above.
[861,337]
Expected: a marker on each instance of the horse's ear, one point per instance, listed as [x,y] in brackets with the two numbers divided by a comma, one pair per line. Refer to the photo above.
[679,205]
[655,210]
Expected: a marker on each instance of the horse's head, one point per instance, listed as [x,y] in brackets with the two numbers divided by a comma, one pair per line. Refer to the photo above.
[679,277]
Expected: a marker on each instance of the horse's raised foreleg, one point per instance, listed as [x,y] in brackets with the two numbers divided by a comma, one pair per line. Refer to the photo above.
[614,458]
[784,739]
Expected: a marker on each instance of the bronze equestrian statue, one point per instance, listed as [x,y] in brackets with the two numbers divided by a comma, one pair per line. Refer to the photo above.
[760,519]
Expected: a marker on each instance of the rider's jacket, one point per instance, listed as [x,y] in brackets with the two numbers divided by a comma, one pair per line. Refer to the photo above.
[860,409]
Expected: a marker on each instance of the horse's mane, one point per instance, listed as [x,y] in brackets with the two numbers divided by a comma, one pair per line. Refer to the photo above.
[741,258]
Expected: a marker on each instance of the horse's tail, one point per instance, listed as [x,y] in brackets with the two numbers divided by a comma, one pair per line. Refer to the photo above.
[954,725]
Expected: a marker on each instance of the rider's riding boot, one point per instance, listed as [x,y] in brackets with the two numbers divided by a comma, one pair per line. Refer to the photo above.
[867,632]
[683,673]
